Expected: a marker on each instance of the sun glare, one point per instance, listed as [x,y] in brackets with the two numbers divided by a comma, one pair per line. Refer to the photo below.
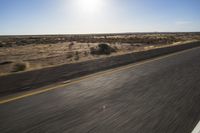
[89,6]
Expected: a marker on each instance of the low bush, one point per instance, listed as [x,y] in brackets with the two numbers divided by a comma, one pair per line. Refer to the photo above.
[102,49]
[76,57]
[20,66]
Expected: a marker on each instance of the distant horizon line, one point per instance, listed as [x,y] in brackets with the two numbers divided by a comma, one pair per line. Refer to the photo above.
[103,33]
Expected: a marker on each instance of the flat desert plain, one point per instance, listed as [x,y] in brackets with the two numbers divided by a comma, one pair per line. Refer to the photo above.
[26,53]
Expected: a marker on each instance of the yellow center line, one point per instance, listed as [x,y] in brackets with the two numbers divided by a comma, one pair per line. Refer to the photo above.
[98,74]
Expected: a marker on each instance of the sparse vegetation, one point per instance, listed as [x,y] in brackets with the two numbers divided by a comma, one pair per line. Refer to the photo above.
[71,45]
[86,53]
[44,51]
[76,57]
[20,66]
[102,49]
[145,38]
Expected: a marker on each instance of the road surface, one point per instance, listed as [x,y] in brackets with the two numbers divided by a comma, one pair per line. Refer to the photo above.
[158,96]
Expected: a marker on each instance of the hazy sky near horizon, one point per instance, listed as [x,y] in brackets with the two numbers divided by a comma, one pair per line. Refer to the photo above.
[98,16]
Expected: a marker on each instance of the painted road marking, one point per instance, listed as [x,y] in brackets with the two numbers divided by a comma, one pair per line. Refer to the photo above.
[197,128]
[71,82]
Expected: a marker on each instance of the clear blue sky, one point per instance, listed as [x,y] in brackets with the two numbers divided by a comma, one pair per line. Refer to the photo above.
[98,16]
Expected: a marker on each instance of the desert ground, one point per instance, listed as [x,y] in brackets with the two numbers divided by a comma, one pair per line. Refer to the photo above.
[26,53]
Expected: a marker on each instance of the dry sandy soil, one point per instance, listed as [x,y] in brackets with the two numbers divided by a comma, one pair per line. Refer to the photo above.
[28,53]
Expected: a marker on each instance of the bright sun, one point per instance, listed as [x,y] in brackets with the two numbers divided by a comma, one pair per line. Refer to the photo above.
[89,6]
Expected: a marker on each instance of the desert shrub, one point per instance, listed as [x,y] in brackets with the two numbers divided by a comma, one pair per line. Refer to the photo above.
[76,57]
[102,49]
[76,53]
[71,45]
[20,66]
[85,53]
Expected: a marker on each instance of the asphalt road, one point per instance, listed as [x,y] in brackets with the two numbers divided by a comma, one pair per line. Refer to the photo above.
[160,96]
